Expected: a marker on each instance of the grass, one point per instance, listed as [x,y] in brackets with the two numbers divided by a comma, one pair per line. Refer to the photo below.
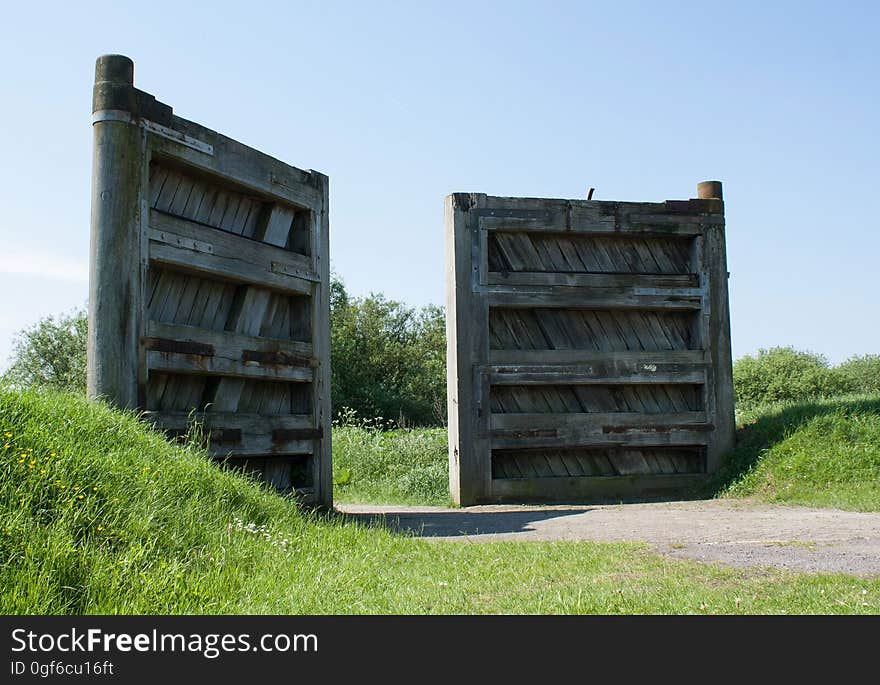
[101,515]
[404,466]
[823,453]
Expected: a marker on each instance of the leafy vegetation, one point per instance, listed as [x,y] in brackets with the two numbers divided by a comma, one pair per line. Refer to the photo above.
[101,515]
[388,360]
[51,353]
[783,374]
[861,374]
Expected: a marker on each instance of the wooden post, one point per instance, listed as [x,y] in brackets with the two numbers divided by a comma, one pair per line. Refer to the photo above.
[323,457]
[115,266]
[724,434]
[709,190]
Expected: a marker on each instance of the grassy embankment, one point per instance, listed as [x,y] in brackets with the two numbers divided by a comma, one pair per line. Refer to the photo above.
[101,515]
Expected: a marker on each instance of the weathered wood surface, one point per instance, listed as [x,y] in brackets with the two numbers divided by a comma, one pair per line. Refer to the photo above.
[212,259]
[588,346]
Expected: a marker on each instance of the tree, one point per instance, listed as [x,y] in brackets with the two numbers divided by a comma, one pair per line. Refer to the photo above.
[51,353]
[388,360]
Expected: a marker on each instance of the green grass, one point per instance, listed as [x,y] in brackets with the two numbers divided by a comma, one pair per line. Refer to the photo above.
[119,521]
[823,453]
[404,466]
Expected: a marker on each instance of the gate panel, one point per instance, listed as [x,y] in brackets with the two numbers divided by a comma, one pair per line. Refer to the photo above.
[208,294]
[588,347]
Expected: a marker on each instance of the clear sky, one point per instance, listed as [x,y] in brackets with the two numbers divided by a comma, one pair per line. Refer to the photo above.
[402,103]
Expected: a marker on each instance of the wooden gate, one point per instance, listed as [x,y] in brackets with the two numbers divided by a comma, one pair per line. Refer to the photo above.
[208,287]
[588,347]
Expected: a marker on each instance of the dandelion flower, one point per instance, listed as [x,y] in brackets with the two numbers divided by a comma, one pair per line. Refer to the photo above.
[8,435]
[51,454]
[100,528]
[79,496]
[95,489]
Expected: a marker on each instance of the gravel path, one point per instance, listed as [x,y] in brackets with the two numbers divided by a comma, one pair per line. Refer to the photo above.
[736,532]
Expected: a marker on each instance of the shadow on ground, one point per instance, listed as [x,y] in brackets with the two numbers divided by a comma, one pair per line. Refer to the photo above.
[457,523]
[753,439]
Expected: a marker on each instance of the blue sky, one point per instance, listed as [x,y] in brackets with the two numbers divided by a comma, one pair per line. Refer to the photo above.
[402,103]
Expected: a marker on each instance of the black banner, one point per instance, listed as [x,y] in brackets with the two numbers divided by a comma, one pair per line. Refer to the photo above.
[234,649]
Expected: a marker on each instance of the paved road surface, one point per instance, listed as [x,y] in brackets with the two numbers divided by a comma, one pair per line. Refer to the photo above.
[736,532]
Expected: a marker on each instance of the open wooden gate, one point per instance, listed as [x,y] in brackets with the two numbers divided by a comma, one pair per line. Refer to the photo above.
[588,347]
[208,287]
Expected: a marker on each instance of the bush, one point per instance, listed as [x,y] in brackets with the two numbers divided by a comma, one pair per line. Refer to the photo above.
[388,360]
[51,353]
[783,373]
[860,374]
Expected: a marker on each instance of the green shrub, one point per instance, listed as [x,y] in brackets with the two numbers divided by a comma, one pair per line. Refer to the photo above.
[784,374]
[51,353]
[860,374]
[388,360]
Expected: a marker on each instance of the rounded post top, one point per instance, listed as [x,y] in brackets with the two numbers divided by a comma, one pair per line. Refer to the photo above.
[114,69]
[709,190]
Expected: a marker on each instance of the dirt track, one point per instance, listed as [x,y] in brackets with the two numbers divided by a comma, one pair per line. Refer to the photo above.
[736,532]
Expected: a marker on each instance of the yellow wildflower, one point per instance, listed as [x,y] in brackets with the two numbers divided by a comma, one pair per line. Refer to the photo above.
[100,528]
[79,496]
[8,435]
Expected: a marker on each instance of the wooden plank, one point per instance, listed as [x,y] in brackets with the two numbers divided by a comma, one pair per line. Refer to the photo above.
[598,373]
[234,162]
[467,337]
[247,423]
[239,434]
[194,247]
[526,422]
[717,337]
[188,364]
[592,488]
[235,345]
[322,465]
[596,436]
[591,299]
[594,280]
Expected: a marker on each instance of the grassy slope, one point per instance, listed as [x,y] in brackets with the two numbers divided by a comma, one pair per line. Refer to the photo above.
[100,515]
[822,453]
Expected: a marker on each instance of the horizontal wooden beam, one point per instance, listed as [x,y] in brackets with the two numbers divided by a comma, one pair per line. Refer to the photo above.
[598,436]
[600,421]
[245,166]
[192,247]
[568,357]
[183,363]
[598,373]
[232,434]
[236,346]
[594,280]
[592,488]
[610,298]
